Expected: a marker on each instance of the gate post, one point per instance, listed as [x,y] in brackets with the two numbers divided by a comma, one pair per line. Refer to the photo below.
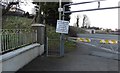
[40,32]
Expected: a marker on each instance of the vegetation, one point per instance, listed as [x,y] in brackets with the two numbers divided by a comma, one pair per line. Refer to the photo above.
[49,12]
[86,22]
[15,22]
[81,31]
[54,40]
[9,5]
[77,21]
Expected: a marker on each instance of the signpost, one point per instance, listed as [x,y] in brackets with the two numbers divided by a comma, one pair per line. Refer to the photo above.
[62,27]
[62,35]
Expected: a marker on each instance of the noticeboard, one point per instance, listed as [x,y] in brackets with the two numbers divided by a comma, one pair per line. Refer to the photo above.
[62,26]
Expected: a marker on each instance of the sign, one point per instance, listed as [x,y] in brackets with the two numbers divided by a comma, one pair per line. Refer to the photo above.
[62,26]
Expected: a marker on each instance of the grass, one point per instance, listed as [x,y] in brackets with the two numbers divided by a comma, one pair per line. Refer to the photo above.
[70,46]
[13,22]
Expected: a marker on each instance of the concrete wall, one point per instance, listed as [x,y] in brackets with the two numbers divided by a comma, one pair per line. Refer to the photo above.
[15,60]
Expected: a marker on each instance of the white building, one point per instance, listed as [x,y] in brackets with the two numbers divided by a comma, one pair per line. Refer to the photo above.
[92,31]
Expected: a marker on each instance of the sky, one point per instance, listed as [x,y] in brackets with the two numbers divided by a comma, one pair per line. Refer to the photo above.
[101,18]
[28,6]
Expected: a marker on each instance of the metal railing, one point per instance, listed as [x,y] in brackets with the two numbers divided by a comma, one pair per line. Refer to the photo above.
[12,39]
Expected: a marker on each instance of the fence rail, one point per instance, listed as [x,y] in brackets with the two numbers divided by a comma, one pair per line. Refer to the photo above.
[12,39]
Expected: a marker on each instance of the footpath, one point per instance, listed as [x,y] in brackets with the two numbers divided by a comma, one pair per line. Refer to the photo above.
[79,60]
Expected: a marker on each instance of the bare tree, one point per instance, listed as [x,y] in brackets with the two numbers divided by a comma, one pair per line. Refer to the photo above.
[86,22]
[77,23]
[10,4]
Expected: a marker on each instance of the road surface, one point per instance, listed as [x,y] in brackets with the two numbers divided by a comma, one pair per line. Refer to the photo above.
[100,36]
[95,40]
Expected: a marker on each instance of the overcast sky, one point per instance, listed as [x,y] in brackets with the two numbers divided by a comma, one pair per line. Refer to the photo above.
[28,6]
[101,18]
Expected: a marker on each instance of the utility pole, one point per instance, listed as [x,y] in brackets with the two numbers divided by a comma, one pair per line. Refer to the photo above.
[62,35]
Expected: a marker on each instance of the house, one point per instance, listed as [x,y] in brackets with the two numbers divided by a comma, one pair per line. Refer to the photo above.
[17,11]
[91,31]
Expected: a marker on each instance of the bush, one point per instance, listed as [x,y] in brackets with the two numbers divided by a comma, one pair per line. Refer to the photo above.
[72,31]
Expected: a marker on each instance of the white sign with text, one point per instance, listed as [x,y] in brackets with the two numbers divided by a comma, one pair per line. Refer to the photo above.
[62,26]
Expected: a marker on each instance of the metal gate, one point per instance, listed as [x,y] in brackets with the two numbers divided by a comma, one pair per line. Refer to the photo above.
[53,47]
[53,42]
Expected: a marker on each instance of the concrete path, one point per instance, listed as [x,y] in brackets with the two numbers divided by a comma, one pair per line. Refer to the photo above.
[78,60]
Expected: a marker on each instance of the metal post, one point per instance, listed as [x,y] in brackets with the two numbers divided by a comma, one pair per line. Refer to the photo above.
[47,47]
[62,35]
[1,31]
[1,41]
[59,11]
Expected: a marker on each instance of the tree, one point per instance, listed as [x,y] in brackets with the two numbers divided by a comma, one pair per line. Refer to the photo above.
[4,11]
[86,22]
[50,12]
[77,21]
[11,3]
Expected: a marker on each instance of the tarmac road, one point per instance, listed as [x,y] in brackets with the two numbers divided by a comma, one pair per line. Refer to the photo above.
[100,36]
[95,40]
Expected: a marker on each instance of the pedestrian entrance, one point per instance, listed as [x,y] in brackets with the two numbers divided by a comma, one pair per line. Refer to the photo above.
[53,41]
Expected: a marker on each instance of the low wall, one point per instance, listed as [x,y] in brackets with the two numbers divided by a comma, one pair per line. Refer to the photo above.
[15,60]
